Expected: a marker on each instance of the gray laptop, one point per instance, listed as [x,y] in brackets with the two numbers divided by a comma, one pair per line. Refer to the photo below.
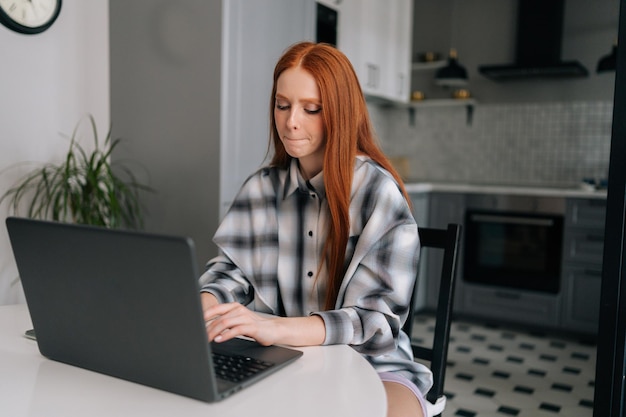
[127,304]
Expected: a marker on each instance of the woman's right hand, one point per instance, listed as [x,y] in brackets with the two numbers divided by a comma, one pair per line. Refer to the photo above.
[225,321]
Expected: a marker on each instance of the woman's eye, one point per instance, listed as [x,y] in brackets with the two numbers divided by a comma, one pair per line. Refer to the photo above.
[281,106]
[313,111]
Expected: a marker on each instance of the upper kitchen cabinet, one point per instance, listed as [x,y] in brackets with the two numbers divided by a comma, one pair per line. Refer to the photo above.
[376,35]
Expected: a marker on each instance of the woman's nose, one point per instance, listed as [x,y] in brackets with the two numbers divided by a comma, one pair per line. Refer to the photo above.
[292,120]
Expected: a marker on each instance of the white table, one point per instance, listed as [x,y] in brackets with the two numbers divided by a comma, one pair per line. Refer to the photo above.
[325,381]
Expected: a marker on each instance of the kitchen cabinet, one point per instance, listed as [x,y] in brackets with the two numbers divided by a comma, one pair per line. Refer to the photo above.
[421,209]
[443,208]
[516,303]
[446,208]
[376,36]
[401,56]
[511,305]
[420,203]
[583,248]
[574,309]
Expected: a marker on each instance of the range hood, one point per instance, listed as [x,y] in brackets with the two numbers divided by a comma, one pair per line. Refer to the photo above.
[538,46]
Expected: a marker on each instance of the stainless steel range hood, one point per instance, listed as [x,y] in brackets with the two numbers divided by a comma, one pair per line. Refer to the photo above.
[538,46]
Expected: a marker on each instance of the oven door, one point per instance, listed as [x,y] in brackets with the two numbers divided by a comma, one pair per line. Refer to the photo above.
[513,249]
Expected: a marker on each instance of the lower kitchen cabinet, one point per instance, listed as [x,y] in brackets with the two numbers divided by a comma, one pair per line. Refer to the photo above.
[583,245]
[441,209]
[581,305]
[516,306]
[420,203]
[446,208]
[575,308]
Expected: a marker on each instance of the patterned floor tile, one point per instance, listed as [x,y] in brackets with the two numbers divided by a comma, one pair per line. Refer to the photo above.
[494,371]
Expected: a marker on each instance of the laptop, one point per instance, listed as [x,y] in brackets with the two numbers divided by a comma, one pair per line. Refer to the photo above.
[127,304]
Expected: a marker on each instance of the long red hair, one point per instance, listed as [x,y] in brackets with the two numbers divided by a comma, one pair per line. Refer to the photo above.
[348,132]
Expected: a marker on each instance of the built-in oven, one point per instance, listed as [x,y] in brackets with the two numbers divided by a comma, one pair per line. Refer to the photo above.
[513,248]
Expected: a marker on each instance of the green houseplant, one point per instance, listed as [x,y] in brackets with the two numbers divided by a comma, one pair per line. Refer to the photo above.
[84,188]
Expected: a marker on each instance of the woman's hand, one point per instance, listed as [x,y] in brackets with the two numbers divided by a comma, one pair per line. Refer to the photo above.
[229,320]
[225,321]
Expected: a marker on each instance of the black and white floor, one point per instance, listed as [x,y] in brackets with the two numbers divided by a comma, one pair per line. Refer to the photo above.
[497,371]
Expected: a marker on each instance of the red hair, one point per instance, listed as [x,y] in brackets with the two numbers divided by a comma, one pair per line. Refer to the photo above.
[348,132]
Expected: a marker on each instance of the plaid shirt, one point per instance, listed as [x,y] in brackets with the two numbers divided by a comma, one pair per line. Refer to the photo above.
[271,244]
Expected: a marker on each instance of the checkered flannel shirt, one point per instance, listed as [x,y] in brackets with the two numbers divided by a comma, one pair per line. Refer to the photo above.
[271,242]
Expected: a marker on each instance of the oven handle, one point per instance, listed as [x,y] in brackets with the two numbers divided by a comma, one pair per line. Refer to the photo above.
[494,218]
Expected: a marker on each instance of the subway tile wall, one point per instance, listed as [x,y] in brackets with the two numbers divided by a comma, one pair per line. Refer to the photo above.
[549,144]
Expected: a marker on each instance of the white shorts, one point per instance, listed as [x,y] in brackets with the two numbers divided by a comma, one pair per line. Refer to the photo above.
[394,377]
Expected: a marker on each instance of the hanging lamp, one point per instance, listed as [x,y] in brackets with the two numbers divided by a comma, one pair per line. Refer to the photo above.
[453,74]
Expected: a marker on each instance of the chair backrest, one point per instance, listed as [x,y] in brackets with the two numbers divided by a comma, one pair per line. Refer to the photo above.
[447,240]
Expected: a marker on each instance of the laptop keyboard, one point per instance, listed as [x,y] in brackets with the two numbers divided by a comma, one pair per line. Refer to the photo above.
[236,368]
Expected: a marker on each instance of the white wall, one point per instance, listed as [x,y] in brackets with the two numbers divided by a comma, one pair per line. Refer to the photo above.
[49,81]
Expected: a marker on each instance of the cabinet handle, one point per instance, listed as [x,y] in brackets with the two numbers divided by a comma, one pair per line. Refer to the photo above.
[376,73]
[494,218]
[372,75]
[597,203]
[400,90]
[508,295]
[371,70]
[594,238]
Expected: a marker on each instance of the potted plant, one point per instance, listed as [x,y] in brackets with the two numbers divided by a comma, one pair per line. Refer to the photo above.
[84,188]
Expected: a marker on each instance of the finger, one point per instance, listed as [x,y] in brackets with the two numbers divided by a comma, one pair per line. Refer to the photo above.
[225,323]
[235,323]
[219,310]
[246,329]
[225,334]
[222,323]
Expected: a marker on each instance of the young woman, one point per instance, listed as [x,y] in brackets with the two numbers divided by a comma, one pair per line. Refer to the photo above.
[323,238]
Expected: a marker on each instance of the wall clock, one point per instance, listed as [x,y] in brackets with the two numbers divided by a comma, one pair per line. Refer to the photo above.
[29,16]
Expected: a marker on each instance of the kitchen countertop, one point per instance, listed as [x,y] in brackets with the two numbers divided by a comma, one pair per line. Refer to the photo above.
[417,187]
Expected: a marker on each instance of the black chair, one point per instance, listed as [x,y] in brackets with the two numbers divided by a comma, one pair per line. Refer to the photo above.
[447,240]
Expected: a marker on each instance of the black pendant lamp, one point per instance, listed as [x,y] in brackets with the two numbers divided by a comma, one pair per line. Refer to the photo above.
[453,74]
[608,62]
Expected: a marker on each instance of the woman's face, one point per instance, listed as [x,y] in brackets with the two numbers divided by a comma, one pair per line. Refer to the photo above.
[298,117]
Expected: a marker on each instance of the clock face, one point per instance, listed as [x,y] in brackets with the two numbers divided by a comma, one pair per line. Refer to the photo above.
[29,16]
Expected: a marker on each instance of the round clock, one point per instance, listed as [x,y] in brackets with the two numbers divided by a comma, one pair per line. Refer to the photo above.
[29,16]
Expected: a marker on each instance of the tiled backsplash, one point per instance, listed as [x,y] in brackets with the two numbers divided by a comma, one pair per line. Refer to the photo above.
[524,144]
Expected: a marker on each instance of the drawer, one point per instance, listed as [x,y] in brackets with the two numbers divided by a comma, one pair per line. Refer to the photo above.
[581,305]
[586,213]
[581,246]
[511,305]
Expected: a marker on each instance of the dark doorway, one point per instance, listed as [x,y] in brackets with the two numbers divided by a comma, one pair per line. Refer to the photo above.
[610,385]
